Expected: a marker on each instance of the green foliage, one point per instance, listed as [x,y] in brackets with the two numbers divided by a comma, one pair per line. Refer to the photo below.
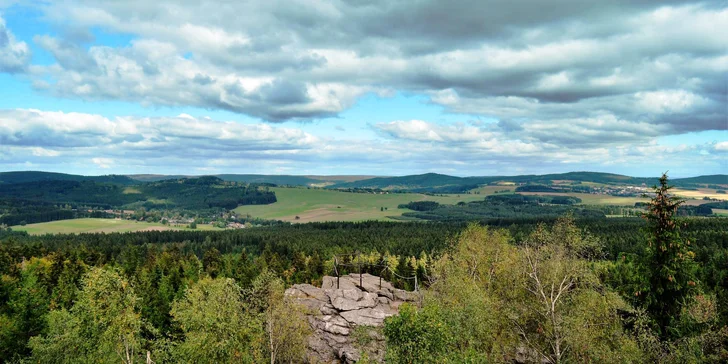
[539,302]
[535,188]
[33,176]
[507,206]
[416,336]
[420,205]
[15,211]
[566,313]
[286,327]
[216,324]
[467,281]
[668,264]
[212,262]
[103,326]
[28,303]
[185,194]
[66,288]
[478,283]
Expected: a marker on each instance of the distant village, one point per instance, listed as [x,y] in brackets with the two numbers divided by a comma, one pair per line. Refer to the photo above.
[226,220]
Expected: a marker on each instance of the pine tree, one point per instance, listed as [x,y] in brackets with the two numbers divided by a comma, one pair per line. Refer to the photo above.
[668,264]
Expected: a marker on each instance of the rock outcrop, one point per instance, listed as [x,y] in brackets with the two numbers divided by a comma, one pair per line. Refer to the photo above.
[335,312]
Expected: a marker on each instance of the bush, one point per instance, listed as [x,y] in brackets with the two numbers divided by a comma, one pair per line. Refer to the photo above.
[416,336]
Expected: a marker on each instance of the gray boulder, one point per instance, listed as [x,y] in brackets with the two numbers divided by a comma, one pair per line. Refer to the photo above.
[335,312]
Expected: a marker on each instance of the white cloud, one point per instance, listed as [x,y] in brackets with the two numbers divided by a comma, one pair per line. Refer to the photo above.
[104,163]
[36,128]
[14,55]
[722,146]
[424,131]
[42,152]
[668,101]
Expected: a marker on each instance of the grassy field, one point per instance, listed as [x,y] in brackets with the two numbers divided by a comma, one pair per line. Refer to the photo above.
[77,226]
[329,205]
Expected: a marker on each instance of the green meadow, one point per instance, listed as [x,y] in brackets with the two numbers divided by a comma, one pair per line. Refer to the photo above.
[327,205]
[77,226]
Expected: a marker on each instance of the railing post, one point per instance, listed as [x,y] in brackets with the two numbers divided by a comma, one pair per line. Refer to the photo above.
[336,270]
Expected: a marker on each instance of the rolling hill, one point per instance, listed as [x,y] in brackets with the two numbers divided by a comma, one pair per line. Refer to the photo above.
[428,182]
[435,182]
[36,176]
[291,180]
[192,194]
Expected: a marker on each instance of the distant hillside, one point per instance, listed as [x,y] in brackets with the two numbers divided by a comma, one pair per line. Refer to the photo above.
[341,178]
[35,176]
[155,177]
[715,179]
[443,183]
[428,182]
[188,194]
[258,178]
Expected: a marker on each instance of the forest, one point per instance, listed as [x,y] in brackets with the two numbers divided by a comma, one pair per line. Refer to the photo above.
[651,289]
[505,206]
[50,200]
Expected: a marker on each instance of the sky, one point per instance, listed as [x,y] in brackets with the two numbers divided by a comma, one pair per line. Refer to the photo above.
[382,87]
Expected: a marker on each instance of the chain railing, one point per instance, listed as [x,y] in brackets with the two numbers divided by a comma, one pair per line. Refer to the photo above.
[359,265]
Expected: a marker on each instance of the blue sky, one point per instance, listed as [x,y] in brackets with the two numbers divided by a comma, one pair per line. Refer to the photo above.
[397,88]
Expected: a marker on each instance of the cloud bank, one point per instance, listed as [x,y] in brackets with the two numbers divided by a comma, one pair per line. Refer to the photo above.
[185,144]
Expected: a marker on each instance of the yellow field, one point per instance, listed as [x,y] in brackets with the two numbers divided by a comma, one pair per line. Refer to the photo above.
[700,193]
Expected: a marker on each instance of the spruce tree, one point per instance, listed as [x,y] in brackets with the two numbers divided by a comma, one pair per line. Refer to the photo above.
[668,265]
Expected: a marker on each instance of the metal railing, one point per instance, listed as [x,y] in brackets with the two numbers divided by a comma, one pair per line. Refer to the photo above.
[359,265]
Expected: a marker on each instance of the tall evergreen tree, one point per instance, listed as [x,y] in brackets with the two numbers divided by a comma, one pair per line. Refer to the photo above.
[668,265]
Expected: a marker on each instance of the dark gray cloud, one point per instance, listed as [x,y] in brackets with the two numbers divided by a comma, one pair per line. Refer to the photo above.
[282,92]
